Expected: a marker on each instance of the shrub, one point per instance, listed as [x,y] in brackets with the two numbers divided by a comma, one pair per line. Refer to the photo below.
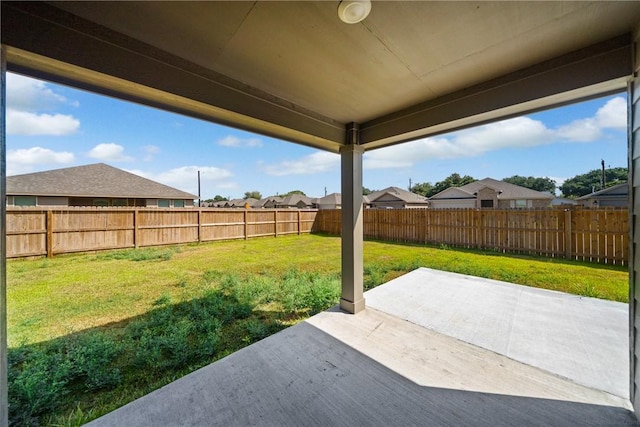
[41,377]
[373,276]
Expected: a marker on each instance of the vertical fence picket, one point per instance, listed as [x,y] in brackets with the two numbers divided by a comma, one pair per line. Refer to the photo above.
[597,235]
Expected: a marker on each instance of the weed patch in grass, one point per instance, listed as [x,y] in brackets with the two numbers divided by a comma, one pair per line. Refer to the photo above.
[89,333]
[146,254]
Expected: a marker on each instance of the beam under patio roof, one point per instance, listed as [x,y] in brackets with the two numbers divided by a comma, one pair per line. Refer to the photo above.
[291,70]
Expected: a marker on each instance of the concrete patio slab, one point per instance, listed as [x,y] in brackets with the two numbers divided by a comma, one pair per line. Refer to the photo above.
[375,369]
[583,339]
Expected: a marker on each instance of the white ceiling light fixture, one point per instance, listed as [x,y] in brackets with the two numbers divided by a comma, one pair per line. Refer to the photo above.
[353,11]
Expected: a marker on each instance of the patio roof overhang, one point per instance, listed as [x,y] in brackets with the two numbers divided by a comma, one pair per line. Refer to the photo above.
[294,71]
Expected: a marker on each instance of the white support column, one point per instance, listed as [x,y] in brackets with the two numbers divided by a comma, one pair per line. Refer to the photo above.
[4,394]
[352,300]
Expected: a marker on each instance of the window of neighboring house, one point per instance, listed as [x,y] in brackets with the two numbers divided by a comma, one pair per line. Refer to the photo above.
[486,203]
[119,202]
[100,202]
[178,203]
[24,200]
[521,203]
[164,203]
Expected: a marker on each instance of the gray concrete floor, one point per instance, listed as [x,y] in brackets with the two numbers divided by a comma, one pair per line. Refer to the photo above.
[583,339]
[389,366]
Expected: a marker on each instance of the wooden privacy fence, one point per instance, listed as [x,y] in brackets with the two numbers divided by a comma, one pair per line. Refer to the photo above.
[595,235]
[36,232]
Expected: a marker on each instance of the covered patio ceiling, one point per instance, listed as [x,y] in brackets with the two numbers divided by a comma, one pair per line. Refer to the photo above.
[293,70]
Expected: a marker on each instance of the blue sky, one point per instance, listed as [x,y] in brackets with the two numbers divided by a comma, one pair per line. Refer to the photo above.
[51,126]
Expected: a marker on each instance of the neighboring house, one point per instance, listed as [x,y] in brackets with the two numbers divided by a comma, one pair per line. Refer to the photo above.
[92,185]
[330,201]
[250,203]
[268,202]
[490,193]
[295,201]
[218,204]
[614,196]
[394,198]
[234,203]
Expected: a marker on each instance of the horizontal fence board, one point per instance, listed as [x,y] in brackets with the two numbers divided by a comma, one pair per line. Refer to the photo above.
[37,232]
[593,235]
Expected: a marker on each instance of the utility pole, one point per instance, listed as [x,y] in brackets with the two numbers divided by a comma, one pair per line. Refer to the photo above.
[409,184]
[604,178]
[199,198]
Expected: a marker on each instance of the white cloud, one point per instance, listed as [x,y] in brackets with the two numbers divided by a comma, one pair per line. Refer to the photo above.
[109,152]
[151,149]
[25,123]
[27,94]
[186,178]
[613,114]
[308,165]
[24,160]
[583,130]
[559,180]
[26,99]
[233,141]
[150,152]
[518,132]
[514,133]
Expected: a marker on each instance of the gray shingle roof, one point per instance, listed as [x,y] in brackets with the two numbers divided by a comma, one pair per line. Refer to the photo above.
[330,199]
[401,194]
[507,191]
[96,180]
[295,199]
[615,190]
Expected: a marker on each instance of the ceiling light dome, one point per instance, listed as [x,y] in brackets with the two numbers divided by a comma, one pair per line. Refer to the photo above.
[353,11]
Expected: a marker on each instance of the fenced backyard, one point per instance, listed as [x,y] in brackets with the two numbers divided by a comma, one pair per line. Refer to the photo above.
[593,235]
[49,232]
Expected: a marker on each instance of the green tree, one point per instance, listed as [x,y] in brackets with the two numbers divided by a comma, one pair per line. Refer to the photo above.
[366,191]
[422,188]
[293,192]
[217,198]
[538,184]
[453,180]
[586,183]
[252,195]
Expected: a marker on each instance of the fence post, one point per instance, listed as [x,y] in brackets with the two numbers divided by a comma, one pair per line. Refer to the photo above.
[246,225]
[199,225]
[275,223]
[49,233]
[299,223]
[135,229]
[568,241]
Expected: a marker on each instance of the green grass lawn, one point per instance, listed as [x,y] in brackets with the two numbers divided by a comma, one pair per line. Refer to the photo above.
[90,332]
